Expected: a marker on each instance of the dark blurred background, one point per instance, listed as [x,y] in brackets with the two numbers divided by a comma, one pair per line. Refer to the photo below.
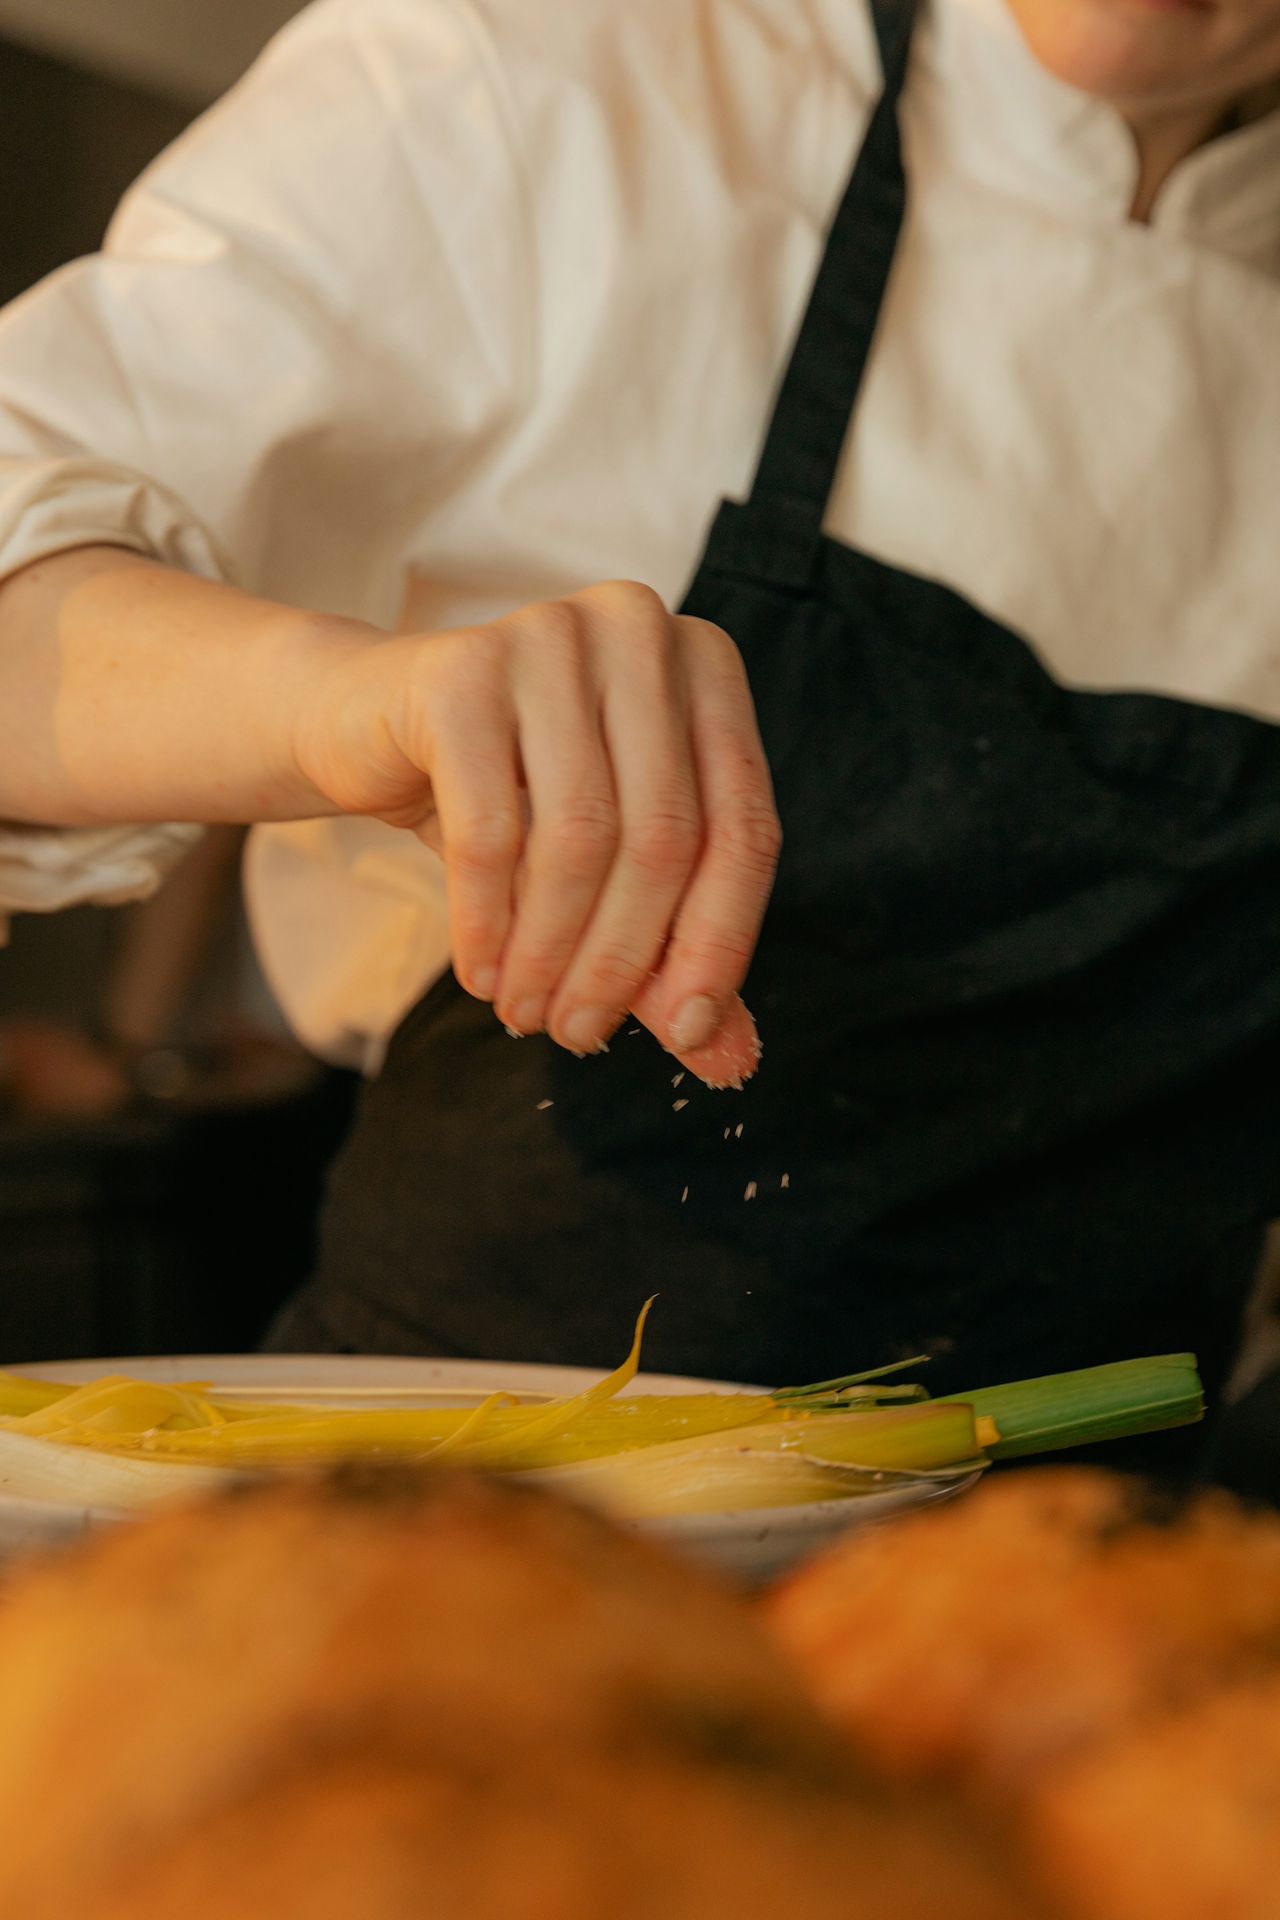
[90,90]
[162,1141]
[70,142]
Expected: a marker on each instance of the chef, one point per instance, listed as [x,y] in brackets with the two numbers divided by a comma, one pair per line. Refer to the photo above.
[957,465]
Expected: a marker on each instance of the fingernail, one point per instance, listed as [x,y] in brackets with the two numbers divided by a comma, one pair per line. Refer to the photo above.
[527,1017]
[587,1029]
[695,1023]
[484,983]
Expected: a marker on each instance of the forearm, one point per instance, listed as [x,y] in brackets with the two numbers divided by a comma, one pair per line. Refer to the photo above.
[131,691]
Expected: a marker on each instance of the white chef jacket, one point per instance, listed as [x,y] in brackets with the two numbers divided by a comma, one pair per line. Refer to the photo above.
[455,304]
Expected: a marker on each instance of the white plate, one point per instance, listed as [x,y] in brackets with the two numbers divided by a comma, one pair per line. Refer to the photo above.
[751,1545]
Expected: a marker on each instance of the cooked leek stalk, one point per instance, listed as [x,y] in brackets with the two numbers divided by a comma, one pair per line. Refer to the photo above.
[934,1434]
[823,1457]
[116,1405]
[308,1433]
[851,1388]
[31,1469]
[651,1482]
[1096,1403]
[117,1415]
[20,1396]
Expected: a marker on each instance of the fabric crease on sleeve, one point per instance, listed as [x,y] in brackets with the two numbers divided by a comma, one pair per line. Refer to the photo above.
[45,868]
[48,506]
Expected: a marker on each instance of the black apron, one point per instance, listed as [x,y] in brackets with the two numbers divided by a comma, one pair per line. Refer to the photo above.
[1018,989]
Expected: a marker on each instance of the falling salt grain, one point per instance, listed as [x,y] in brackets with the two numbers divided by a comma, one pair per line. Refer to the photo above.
[737,1132]
[544,1104]
[632,1030]
[685,1194]
[750,1193]
[726,1133]
[676,1082]
[786,1179]
[677,1104]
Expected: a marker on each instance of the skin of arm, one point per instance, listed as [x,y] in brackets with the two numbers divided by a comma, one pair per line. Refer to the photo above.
[590,769]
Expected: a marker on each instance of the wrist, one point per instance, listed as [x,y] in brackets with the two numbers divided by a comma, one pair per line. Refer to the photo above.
[351,685]
[313,667]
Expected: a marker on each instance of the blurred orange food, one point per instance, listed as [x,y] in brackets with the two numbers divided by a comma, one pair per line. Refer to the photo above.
[1102,1666]
[1051,1609]
[1179,1818]
[389,1696]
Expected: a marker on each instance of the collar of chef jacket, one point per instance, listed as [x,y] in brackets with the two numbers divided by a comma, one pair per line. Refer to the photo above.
[1020,131]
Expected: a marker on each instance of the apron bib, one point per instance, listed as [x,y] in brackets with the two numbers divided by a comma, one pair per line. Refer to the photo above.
[1018,989]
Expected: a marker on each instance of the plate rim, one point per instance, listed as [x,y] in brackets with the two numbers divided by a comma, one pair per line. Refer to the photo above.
[504,1373]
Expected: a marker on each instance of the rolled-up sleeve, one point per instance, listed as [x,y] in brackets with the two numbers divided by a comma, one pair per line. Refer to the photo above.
[43,868]
[52,504]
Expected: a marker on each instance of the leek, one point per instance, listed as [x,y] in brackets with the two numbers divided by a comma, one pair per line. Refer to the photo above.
[68,1476]
[775,1464]
[831,1438]
[1096,1403]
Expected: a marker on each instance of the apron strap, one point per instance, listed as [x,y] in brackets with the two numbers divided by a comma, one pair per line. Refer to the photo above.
[815,402]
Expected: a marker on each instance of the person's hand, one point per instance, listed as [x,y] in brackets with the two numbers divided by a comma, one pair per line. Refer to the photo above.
[591,771]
